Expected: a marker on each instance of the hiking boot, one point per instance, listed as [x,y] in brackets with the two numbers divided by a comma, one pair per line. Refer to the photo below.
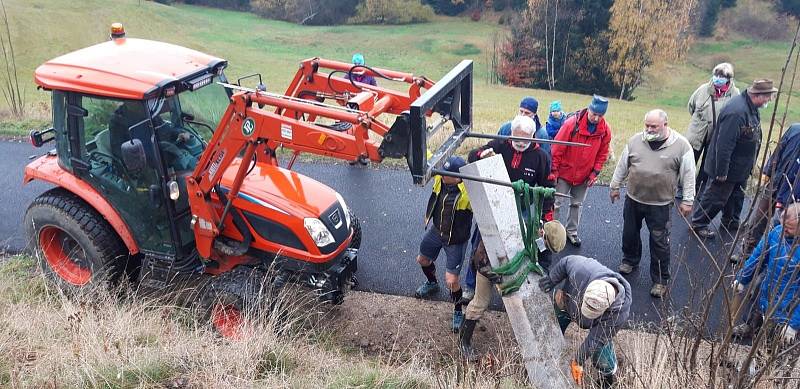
[458,321]
[625,268]
[426,289]
[606,381]
[465,340]
[743,331]
[705,233]
[574,240]
[658,290]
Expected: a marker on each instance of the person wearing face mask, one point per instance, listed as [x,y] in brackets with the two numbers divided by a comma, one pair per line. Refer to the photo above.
[528,107]
[653,161]
[705,105]
[576,168]
[731,156]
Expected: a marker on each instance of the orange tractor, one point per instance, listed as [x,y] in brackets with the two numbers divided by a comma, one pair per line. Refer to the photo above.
[166,173]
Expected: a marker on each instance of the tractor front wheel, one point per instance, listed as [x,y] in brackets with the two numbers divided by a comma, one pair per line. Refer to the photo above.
[233,299]
[355,243]
[76,247]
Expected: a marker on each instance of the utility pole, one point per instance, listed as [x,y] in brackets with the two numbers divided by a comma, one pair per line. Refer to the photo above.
[530,310]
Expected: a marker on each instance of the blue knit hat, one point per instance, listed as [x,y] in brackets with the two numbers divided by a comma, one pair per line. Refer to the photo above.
[454,163]
[555,106]
[358,59]
[529,103]
[599,105]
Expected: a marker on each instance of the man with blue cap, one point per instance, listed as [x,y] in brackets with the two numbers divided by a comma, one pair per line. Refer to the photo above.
[576,168]
[358,73]
[528,107]
[449,214]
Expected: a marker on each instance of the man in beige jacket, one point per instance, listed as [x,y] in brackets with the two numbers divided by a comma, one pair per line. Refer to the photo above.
[653,161]
[704,106]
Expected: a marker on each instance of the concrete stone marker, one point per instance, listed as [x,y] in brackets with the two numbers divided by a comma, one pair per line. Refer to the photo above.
[530,310]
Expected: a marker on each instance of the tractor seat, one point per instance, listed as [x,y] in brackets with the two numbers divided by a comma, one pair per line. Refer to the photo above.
[103,142]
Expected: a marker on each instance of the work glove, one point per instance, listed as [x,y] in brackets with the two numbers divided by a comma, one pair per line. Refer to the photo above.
[486,153]
[737,286]
[787,335]
[546,284]
[493,277]
[552,177]
[577,372]
[548,216]
[592,179]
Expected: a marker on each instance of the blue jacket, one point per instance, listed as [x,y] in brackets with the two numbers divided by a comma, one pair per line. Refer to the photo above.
[553,125]
[541,133]
[789,186]
[774,285]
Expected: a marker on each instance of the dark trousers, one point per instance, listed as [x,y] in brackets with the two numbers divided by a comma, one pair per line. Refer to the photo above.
[657,219]
[757,223]
[716,196]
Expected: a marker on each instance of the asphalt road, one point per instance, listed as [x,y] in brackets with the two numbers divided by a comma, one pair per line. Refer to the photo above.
[391,211]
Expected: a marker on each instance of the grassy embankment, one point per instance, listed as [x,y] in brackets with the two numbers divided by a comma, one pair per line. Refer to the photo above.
[252,44]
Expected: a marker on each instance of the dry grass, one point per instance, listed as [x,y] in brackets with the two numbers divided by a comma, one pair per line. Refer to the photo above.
[48,340]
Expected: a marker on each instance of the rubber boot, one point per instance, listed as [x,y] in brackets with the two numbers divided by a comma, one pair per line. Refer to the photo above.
[465,340]
[607,381]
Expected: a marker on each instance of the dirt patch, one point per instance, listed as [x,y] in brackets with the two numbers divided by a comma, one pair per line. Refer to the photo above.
[403,327]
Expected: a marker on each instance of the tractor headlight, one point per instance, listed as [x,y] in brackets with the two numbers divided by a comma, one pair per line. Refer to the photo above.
[344,208]
[319,233]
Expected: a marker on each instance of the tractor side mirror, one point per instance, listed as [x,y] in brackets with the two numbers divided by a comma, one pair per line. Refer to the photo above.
[133,155]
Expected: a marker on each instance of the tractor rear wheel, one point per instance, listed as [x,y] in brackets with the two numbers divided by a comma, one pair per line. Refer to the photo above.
[234,298]
[356,242]
[75,246]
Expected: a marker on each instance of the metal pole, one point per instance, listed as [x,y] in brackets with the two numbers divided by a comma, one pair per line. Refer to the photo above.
[482,179]
[517,138]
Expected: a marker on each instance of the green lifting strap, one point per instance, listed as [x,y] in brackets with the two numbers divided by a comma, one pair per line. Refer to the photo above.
[529,225]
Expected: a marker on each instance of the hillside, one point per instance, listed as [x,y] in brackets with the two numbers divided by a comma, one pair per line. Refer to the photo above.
[252,44]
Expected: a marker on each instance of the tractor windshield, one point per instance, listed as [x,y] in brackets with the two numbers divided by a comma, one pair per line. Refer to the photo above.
[205,106]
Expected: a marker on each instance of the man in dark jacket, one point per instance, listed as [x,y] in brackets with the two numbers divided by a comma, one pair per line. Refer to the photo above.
[777,192]
[596,298]
[730,159]
[576,168]
[451,213]
[528,107]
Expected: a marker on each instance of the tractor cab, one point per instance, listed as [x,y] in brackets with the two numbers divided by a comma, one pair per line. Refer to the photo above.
[131,118]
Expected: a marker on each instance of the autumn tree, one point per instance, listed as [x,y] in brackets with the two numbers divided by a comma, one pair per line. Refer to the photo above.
[643,33]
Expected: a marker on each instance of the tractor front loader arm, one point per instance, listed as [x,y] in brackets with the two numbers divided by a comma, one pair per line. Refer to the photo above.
[251,129]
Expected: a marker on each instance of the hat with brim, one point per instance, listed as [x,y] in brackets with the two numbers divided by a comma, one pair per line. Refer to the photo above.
[764,86]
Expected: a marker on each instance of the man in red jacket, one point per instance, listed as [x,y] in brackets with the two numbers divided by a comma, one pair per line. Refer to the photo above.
[576,168]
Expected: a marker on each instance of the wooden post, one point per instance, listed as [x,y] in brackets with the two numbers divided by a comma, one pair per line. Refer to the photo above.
[530,310]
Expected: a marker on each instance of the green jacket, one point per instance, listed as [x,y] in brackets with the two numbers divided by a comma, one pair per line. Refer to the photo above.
[700,108]
[456,221]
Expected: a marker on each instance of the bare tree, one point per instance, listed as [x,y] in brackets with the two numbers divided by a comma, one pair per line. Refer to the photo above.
[11,90]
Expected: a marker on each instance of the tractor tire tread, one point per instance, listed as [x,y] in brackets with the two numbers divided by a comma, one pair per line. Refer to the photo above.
[91,222]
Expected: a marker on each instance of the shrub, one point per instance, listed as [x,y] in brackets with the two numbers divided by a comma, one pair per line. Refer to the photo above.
[225,4]
[447,7]
[313,12]
[392,12]
[751,20]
